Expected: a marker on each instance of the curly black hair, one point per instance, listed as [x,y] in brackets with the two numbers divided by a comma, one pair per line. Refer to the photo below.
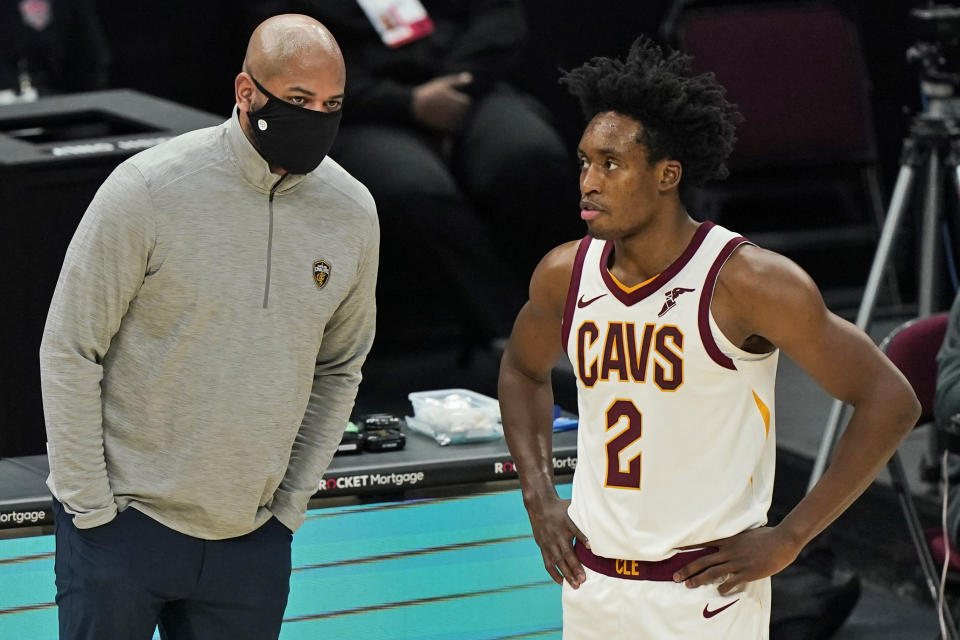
[684,116]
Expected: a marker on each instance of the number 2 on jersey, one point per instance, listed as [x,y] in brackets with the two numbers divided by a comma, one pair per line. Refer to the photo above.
[629,479]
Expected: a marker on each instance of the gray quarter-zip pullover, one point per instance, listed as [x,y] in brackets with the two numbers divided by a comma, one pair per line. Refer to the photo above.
[202,351]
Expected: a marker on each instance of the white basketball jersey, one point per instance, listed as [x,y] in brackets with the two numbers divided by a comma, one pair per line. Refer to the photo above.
[676,438]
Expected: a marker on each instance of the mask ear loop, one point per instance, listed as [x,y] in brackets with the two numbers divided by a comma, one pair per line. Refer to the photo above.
[260,87]
[260,123]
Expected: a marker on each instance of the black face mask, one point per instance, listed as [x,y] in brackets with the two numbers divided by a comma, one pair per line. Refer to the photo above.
[291,137]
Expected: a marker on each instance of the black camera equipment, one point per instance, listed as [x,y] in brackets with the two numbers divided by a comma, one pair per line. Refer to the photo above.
[383,432]
[351,441]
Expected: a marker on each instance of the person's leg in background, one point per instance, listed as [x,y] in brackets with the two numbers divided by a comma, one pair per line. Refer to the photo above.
[522,177]
[428,225]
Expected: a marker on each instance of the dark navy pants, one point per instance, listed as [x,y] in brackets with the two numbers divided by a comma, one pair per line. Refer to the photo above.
[120,580]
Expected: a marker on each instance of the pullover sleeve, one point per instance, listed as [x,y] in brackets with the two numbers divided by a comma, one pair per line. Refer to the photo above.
[346,341]
[947,396]
[102,272]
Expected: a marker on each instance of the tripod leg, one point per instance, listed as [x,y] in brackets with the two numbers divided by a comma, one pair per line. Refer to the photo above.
[927,282]
[898,204]
[876,204]
[927,289]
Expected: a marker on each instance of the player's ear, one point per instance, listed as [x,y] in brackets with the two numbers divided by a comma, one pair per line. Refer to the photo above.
[670,174]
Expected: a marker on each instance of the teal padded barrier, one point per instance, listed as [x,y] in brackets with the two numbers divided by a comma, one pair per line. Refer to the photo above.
[459,568]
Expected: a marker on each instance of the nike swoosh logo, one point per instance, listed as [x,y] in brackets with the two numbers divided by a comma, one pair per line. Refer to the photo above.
[581,303]
[709,614]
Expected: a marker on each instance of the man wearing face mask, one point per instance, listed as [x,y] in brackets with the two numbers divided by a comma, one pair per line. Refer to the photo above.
[202,354]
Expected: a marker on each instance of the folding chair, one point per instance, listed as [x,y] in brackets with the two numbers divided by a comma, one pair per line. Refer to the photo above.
[913,348]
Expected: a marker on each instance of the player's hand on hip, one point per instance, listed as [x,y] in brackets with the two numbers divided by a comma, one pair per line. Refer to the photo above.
[747,556]
[554,533]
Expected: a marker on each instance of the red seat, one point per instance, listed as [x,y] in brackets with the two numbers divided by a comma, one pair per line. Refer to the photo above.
[913,348]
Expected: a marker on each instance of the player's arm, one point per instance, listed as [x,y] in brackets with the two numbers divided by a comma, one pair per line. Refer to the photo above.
[762,296]
[526,406]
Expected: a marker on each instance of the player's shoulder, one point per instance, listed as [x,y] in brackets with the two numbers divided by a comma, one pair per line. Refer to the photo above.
[753,273]
[561,257]
[551,278]
[762,293]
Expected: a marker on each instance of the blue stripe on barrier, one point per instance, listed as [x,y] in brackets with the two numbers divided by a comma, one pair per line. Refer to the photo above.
[436,569]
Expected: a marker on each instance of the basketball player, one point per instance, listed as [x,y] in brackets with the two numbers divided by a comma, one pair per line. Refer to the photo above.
[673,328]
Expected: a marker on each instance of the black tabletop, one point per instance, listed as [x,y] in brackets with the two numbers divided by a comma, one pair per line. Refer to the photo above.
[421,464]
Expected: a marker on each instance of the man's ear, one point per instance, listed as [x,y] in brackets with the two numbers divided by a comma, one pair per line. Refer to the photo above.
[245,91]
[670,175]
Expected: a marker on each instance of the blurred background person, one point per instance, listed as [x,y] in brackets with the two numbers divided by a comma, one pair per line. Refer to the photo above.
[49,47]
[471,179]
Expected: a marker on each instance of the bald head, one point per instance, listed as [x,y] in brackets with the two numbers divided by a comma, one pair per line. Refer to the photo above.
[294,59]
[289,42]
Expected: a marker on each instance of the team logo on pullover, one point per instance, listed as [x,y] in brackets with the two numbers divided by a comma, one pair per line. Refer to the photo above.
[321,272]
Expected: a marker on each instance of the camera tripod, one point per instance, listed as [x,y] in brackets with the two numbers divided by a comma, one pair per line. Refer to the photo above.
[933,143]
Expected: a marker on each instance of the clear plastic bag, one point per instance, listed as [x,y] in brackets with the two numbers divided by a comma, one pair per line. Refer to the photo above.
[454,416]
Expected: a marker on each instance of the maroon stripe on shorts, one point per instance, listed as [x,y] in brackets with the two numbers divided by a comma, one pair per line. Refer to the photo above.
[659,571]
